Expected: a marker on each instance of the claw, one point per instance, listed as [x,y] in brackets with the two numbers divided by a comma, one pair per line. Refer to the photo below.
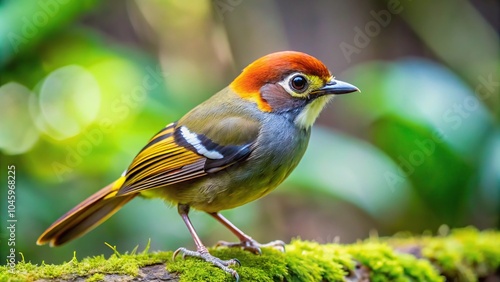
[277,244]
[174,255]
[184,252]
[206,256]
[253,249]
[236,276]
[246,245]
[253,246]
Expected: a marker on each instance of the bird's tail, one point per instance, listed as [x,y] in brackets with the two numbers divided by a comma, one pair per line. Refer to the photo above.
[86,216]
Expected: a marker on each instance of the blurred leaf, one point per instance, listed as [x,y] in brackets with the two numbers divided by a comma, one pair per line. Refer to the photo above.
[430,123]
[352,170]
[426,94]
[490,179]
[442,34]
[440,177]
[23,24]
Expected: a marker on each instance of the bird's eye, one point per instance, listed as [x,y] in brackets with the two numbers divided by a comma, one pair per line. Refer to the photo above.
[298,83]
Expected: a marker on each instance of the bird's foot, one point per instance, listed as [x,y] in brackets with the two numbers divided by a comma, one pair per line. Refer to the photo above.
[253,246]
[206,256]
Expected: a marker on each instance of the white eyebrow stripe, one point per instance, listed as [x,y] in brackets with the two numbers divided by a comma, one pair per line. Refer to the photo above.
[193,140]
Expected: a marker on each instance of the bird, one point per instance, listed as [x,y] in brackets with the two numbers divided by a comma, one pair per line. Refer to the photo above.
[232,149]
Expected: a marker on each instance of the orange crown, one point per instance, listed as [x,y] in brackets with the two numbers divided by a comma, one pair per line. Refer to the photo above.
[273,68]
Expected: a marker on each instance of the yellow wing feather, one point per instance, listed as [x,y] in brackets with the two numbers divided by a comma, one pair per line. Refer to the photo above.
[162,162]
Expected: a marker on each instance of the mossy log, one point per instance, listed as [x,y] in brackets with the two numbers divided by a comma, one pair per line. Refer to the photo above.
[463,255]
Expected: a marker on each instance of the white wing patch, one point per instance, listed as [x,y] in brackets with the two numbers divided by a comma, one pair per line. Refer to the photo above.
[192,138]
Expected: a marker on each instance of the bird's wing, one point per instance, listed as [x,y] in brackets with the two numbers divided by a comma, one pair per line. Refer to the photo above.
[178,153]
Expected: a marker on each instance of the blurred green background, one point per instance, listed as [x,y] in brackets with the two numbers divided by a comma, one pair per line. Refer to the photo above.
[85,84]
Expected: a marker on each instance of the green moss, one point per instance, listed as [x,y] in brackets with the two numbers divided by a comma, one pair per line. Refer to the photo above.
[387,265]
[464,255]
[310,261]
[127,264]
[418,269]
[270,266]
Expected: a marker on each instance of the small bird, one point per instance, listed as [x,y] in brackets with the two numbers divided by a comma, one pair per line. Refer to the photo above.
[232,149]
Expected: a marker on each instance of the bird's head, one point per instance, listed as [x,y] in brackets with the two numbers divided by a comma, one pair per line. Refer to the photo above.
[291,83]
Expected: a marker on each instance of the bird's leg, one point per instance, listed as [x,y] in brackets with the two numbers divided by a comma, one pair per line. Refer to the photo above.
[201,250]
[246,242]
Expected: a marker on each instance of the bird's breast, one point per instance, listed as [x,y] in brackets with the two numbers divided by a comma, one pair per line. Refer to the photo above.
[275,154]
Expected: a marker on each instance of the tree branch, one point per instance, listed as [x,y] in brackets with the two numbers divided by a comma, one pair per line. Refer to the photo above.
[464,255]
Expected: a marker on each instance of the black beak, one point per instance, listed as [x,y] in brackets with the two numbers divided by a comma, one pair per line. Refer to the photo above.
[336,87]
